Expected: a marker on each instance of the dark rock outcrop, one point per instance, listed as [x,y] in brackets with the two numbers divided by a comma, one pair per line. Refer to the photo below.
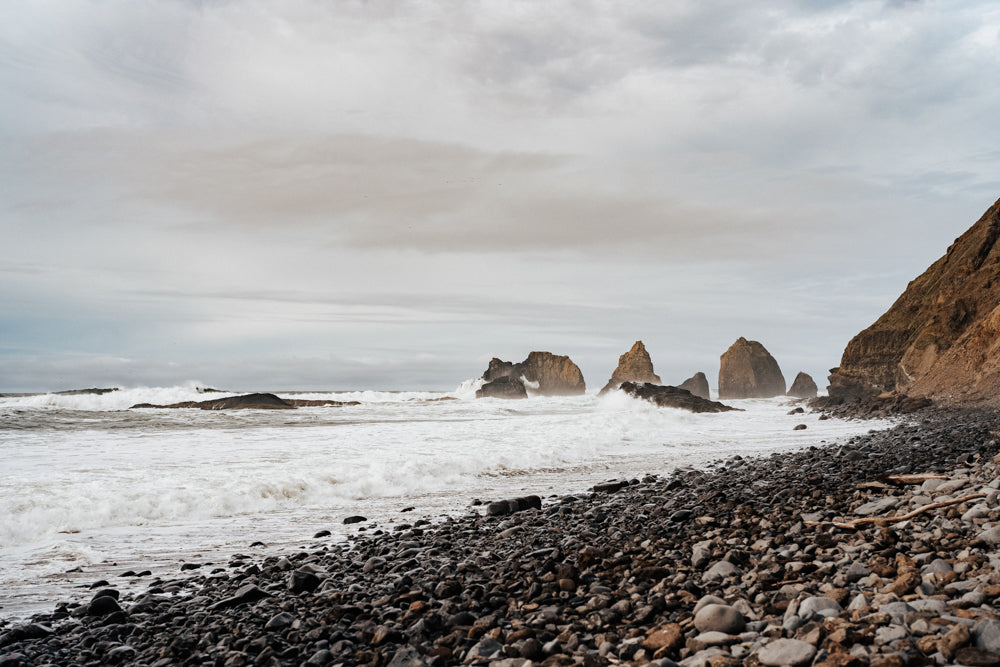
[666,396]
[95,391]
[245,402]
[503,387]
[251,402]
[941,338]
[803,386]
[549,374]
[747,370]
[697,384]
[633,366]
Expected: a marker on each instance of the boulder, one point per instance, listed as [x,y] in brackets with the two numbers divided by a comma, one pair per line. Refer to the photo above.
[747,370]
[803,387]
[547,374]
[941,338]
[633,366]
[666,396]
[697,384]
[503,387]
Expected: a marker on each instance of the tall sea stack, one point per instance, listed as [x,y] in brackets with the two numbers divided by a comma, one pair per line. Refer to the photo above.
[941,338]
[747,370]
[633,366]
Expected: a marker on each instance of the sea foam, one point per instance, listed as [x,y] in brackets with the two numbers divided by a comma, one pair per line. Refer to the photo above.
[90,478]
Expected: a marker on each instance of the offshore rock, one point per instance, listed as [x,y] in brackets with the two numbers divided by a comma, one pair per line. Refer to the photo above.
[803,387]
[697,384]
[666,396]
[503,387]
[245,402]
[747,370]
[251,402]
[547,373]
[941,338]
[633,366]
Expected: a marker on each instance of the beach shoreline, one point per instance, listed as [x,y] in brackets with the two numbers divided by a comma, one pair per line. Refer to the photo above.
[608,577]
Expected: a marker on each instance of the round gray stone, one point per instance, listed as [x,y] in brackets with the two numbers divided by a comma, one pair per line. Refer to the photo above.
[719,618]
[783,652]
[819,606]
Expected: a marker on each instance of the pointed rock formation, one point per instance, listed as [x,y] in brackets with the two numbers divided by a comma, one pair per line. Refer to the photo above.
[633,366]
[673,397]
[803,387]
[941,338]
[697,384]
[547,374]
[747,370]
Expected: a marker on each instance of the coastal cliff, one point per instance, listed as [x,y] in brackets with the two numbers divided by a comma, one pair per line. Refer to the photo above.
[941,338]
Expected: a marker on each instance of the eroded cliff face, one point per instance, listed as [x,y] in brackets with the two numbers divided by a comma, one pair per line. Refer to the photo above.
[940,338]
[633,366]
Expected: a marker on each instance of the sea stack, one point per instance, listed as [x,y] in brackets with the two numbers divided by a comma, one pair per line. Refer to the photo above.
[633,366]
[747,370]
[803,386]
[697,384]
[546,374]
[941,338]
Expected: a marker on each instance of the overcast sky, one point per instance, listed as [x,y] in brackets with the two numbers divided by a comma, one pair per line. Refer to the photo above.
[315,194]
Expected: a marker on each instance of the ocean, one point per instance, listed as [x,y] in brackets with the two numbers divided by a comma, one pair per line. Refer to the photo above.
[90,489]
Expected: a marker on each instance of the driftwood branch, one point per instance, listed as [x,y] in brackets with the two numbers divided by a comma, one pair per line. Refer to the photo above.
[916,478]
[885,521]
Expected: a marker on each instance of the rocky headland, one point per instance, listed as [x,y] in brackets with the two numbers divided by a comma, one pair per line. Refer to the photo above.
[941,338]
[547,374]
[879,551]
[747,370]
[633,366]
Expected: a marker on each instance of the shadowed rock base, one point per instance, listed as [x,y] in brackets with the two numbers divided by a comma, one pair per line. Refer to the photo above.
[250,402]
[666,396]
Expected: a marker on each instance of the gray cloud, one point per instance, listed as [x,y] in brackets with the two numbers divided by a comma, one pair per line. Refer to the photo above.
[202,184]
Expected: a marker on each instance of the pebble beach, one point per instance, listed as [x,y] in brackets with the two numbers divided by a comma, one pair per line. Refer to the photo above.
[881,550]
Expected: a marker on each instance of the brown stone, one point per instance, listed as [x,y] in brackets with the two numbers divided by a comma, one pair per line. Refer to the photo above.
[905,583]
[928,644]
[953,640]
[894,660]
[669,636]
[724,661]
[839,595]
[747,370]
[633,366]
[842,660]
[976,657]
[941,338]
